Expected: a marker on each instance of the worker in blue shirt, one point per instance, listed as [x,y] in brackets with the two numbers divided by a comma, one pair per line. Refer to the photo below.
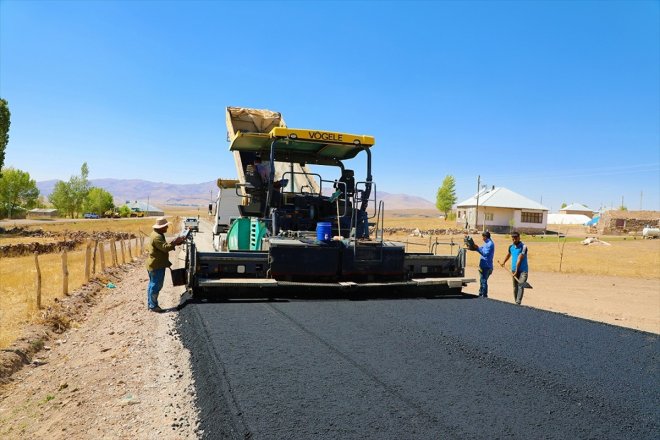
[519,270]
[487,252]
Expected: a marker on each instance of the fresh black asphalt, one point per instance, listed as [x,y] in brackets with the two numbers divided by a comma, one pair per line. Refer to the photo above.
[448,368]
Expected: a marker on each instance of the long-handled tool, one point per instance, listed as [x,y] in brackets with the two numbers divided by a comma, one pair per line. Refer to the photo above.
[524,285]
[335,198]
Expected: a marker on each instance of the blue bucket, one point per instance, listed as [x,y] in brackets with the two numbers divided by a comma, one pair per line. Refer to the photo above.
[324,231]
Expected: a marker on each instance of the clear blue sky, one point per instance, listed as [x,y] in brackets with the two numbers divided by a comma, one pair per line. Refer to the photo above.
[557,100]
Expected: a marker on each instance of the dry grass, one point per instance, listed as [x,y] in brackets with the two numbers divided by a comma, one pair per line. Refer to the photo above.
[18,282]
[137,226]
[18,274]
[9,239]
[132,225]
[624,258]
[187,211]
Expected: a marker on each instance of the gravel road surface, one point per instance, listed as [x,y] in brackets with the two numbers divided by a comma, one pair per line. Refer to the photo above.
[417,369]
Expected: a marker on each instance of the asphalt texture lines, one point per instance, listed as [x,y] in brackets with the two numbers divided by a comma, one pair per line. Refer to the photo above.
[449,368]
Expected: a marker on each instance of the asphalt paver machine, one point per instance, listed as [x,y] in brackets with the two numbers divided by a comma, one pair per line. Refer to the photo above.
[304,223]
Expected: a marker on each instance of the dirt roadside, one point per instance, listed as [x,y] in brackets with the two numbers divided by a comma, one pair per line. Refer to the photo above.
[121,373]
[625,302]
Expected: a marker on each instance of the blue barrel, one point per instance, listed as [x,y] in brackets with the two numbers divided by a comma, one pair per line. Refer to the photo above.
[324,231]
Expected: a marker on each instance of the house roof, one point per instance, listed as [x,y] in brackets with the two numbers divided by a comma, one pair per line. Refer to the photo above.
[576,207]
[143,206]
[500,197]
[42,211]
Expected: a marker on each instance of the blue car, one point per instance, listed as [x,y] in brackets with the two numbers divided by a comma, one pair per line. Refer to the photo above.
[90,215]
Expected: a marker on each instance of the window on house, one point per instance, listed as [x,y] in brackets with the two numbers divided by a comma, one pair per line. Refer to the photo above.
[488,216]
[531,217]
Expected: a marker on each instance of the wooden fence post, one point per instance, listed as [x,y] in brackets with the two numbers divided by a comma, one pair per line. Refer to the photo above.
[123,254]
[34,303]
[88,258]
[130,252]
[65,274]
[96,246]
[113,252]
[102,255]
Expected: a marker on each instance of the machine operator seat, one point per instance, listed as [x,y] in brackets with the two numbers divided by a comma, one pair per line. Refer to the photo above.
[348,180]
[257,192]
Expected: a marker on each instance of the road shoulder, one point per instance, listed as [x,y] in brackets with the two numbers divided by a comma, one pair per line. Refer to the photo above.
[122,370]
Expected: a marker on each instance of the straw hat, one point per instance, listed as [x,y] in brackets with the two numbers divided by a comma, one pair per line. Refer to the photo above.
[161,223]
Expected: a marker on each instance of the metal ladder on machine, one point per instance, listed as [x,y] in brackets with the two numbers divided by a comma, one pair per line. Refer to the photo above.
[362,250]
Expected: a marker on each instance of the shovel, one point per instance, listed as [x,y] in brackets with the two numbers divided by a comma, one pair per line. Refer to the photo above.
[524,285]
[335,198]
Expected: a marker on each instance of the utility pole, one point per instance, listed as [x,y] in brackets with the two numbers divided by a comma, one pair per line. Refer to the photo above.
[476,214]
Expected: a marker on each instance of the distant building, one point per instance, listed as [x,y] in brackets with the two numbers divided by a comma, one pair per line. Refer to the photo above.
[577,208]
[40,213]
[617,222]
[149,210]
[568,219]
[502,210]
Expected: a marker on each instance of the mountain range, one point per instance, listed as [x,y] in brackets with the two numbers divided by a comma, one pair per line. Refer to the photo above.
[195,194]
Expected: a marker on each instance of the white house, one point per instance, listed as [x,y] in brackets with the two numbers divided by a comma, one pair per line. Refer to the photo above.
[577,208]
[42,213]
[502,210]
[148,209]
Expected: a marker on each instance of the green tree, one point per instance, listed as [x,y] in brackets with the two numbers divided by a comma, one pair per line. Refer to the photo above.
[623,208]
[124,211]
[17,190]
[98,201]
[446,196]
[62,199]
[80,188]
[5,122]
[69,197]
[563,205]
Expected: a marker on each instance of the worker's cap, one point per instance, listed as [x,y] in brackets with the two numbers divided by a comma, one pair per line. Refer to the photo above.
[161,223]
[485,234]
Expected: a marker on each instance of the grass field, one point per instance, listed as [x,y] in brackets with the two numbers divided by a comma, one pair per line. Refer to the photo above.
[18,274]
[141,226]
[629,258]
[625,257]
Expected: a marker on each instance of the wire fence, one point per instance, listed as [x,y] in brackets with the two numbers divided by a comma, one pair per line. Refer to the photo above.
[29,284]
